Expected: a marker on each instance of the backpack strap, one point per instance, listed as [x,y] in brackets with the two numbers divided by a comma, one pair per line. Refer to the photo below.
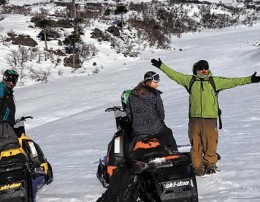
[211,80]
[193,79]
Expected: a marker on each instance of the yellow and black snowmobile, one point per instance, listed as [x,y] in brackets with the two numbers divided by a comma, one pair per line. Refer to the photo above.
[23,167]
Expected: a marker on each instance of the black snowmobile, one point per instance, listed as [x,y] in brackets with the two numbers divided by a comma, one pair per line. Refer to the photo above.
[23,168]
[159,175]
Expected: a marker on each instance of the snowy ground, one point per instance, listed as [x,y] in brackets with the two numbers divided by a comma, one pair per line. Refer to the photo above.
[73,130]
[71,126]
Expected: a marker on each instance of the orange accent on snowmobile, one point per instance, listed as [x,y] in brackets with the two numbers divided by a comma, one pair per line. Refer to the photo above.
[110,170]
[171,157]
[147,145]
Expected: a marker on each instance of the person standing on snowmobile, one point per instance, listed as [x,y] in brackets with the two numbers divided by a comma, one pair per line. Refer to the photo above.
[203,110]
[146,111]
[7,107]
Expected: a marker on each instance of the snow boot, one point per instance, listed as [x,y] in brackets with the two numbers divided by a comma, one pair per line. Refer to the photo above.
[211,169]
[199,171]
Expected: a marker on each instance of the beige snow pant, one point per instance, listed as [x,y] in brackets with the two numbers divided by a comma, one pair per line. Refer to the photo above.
[203,136]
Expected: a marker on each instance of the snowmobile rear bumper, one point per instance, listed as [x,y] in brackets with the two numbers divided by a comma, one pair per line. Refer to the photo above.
[175,180]
[14,184]
[177,190]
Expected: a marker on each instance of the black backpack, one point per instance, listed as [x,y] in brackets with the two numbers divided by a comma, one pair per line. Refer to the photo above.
[211,81]
[8,137]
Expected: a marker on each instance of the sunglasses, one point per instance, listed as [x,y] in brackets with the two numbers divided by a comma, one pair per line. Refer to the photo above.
[202,68]
[11,79]
[154,78]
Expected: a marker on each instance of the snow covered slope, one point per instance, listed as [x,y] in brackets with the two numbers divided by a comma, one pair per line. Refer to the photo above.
[73,130]
[71,126]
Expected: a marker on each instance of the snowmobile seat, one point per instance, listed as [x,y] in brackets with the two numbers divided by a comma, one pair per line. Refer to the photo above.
[144,146]
[13,145]
[153,155]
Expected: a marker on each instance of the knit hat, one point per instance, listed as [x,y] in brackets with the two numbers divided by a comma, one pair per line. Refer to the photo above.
[202,64]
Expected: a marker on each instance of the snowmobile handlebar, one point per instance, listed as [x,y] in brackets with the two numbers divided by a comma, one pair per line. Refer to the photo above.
[23,118]
[113,109]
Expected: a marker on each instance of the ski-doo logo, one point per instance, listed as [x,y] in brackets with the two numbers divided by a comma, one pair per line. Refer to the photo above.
[176,184]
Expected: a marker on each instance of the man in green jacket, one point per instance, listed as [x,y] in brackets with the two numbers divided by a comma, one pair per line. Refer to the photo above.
[203,110]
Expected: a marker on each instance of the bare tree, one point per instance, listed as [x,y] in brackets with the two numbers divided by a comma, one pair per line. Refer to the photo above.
[23,55]
[33,53]
[87,51]
[121,10]
[44,24]
[39,75]
[40,56]
[13,58]
[74,13]
[2,39]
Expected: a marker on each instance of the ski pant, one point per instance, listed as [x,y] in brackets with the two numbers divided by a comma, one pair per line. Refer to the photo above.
[203,135]
[166,138]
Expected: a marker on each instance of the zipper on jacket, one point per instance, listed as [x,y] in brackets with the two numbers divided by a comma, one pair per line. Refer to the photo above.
[202,89]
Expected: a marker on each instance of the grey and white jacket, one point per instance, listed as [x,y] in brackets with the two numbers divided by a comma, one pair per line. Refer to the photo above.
[146,112]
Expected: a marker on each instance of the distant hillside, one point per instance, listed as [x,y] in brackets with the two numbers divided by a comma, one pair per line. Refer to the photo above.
[67,34]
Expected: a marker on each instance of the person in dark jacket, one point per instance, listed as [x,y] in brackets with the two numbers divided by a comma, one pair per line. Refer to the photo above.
[7,108]
[146,111]
[203,109]
[7,104]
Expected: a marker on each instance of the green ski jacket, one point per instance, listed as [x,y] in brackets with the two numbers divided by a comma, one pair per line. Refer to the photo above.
[203,102]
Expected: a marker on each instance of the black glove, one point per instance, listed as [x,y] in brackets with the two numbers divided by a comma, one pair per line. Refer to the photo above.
[156,63]
[255,79]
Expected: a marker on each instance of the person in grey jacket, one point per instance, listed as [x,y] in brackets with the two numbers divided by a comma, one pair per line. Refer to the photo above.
[146,111]
[144,108]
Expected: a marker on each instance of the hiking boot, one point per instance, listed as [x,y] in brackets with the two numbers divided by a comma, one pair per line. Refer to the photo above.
[199,171]
[211,169]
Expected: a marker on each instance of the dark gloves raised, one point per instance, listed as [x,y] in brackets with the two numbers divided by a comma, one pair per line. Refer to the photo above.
[255,79]
[156,63]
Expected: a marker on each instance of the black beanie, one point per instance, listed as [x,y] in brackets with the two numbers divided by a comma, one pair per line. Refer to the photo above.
[202,64]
